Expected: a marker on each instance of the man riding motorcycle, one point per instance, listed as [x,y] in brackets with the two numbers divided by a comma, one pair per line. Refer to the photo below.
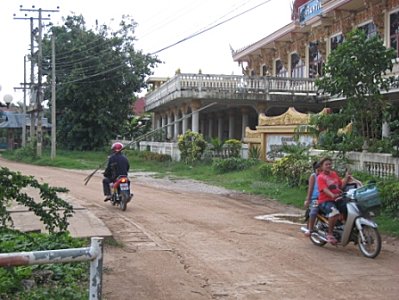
[118,165]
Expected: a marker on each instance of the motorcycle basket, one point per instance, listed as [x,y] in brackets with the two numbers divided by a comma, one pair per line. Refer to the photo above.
[367,197]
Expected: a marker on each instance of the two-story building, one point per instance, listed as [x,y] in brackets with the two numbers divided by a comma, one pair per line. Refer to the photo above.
[279,72]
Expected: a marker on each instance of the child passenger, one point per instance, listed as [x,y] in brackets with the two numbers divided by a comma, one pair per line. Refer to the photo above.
[311,198]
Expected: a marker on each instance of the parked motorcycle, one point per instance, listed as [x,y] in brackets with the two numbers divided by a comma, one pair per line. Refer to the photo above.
[120,192]
[361,204]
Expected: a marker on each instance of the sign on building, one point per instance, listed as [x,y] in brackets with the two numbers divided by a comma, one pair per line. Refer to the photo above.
[309,10]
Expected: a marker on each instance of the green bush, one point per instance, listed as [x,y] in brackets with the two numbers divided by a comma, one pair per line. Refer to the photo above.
[266,170]
[192,146]
[28,151]
[254,152]
[53,211]
[293,169]
[232,164]
[389,191]
[233,147]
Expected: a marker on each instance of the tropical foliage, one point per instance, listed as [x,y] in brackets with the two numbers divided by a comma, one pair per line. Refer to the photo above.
[97,71]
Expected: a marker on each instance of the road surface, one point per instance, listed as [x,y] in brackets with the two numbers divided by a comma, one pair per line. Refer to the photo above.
[184,240]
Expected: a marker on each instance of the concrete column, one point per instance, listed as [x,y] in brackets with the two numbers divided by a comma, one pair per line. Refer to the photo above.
[169,130]
[163,123]
[195,105]
[185,123]
[231,124]
[176,125]
[202,126]
[245,122]
[210,126]
[220,127]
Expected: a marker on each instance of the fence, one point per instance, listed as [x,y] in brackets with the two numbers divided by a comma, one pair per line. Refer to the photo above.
[94,254]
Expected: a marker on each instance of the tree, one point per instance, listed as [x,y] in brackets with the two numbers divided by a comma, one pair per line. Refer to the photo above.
[357,71]
[97,72]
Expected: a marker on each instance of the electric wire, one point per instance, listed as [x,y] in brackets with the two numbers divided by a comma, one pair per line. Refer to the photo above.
[209,28]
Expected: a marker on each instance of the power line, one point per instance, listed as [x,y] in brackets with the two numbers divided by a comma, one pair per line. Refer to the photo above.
[209,28]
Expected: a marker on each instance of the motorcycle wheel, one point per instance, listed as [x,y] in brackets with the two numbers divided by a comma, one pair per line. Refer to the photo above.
[371,247]
[124,201]
[314,238]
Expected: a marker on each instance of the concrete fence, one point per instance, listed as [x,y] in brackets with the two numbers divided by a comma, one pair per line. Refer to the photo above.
[94,254]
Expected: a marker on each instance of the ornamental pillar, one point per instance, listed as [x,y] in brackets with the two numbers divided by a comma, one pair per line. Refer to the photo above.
[169,128]
[220,127]
[245,122]
[231,124]
[195,105]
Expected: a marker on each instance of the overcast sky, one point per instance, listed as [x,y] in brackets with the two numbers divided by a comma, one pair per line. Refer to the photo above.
[160,23]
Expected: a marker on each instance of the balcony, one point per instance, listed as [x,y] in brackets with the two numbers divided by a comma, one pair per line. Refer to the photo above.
[231,87]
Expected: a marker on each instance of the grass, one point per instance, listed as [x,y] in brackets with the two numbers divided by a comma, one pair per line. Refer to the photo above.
[248,181]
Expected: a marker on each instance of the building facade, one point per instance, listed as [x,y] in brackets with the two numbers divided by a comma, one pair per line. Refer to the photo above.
[279,72]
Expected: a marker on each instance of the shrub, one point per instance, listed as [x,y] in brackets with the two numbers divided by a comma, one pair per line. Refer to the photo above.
[233,147]
[254,152]
[52,210]
[217,146]
[294,170]
[28,151]
[266,170]
[389,191]
[192,146]
[232,164]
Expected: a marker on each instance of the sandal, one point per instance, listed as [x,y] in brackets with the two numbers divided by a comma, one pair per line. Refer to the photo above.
[331,239]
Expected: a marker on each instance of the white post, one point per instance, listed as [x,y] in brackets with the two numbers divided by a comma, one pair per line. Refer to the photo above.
[169,128]
[231,125]
[244,124]
[185,123]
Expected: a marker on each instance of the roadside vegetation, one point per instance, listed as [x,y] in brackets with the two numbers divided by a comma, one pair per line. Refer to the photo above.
[284,181]
[53,281]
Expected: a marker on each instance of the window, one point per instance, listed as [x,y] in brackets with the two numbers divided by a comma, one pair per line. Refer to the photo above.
[336,41]
[370,29]
[394,31]
[281,71]
[297,66]
[316,60]
[264,70]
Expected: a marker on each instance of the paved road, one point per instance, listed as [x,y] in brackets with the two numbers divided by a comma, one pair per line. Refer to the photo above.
[180,243]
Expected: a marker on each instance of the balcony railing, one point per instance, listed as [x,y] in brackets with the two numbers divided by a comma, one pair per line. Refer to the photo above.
[195,85]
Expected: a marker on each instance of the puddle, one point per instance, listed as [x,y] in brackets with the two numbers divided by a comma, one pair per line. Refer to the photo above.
[283,218]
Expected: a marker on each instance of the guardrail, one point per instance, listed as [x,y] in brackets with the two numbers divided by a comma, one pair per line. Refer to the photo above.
[94,254]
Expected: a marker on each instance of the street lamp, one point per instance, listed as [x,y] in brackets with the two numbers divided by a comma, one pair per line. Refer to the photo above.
[7,99]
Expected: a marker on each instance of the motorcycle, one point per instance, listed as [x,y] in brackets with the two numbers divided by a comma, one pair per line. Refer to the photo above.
[120,192]
[359,228]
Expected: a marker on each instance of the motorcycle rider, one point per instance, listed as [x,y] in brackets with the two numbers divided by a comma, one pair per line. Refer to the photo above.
[330,188]
[118,165]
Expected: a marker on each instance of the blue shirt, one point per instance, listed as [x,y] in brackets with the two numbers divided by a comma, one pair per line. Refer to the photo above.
[315,193]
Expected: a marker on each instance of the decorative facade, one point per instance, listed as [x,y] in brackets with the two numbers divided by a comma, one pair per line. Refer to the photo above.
[279,72]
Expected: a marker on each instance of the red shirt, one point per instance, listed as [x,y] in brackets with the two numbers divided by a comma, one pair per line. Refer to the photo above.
[324,181]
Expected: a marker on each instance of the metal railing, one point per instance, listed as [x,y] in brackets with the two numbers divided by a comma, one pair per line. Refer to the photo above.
[228,85]
[94,254]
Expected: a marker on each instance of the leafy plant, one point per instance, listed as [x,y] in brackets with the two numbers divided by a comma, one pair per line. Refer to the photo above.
[192,146]
[217,146]
[356,69]
[52,210]
[55,281]
[254,152]
[266,170]
[233,147]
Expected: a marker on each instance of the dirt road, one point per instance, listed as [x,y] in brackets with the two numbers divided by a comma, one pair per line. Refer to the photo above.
[183,240]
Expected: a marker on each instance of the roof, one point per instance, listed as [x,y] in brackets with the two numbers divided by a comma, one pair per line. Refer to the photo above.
[15,120]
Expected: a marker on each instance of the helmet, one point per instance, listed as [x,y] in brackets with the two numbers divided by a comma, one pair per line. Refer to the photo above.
[117,147]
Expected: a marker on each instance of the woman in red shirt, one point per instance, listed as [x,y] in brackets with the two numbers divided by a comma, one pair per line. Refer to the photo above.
[330,188]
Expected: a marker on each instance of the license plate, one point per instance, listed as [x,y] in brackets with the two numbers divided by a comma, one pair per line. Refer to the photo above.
[124,186]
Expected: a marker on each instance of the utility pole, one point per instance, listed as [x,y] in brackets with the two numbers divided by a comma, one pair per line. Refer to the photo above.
[24,84]
[32,82]
[39,91]
[53,114]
